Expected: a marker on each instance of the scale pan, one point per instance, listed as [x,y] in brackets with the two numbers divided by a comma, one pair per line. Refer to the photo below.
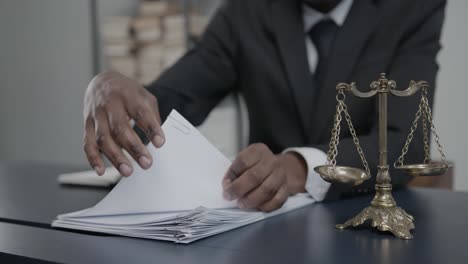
[429,169]
[341,174]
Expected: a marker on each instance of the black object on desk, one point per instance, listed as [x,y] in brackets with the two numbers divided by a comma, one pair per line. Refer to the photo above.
[303,236]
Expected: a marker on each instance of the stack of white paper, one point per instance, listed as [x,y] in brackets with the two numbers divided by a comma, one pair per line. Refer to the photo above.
[178,199]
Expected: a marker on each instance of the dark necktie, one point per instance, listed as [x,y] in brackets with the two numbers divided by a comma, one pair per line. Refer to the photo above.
[322,35]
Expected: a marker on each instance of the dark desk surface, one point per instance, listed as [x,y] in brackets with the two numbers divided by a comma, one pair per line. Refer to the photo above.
[30,196]
[30,193]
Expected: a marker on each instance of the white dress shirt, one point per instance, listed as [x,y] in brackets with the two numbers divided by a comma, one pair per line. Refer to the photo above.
[315,186]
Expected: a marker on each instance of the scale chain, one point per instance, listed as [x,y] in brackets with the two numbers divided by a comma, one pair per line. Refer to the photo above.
[335,137]
[424,111]
[333,145]
[399,162]
[355,139]
[436,136]
[427,157]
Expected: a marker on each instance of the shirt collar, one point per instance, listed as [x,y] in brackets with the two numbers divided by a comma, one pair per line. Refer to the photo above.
[337,14]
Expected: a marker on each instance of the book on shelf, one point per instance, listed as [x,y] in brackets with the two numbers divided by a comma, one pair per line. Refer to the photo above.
[119,48]
[147,29]
[154,8]
[126,65]
[116,28]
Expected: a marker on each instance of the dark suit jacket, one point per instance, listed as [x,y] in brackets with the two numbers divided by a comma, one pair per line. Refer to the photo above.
[256,48]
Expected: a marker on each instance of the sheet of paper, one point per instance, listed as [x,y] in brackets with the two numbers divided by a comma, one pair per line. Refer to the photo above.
[186,173]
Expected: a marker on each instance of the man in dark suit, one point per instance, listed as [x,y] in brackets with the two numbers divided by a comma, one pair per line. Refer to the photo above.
[285,57]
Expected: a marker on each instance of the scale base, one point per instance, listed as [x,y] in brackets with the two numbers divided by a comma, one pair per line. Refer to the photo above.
[384,214]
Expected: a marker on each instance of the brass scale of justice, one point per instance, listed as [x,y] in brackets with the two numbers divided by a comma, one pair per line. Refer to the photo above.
[383,211]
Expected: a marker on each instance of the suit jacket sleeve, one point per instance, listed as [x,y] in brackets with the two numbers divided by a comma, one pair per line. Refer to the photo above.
[203,76]
[415,60]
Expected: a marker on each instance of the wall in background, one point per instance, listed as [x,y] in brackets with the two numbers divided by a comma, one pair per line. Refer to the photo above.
[452,93]
[45,66]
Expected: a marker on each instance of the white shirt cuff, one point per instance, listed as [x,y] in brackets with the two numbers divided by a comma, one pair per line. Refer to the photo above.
[313,157]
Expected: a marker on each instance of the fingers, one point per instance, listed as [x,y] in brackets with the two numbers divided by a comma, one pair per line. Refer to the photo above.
[109,147]
[111,132]
[248,181]
[246,159]
[277,201]
[123,134]
[264,193]
[111,101]
[91,148]
[146,116]
[228,178]
[257,179]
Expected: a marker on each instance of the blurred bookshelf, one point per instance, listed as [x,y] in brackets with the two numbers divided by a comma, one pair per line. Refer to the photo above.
[142,46]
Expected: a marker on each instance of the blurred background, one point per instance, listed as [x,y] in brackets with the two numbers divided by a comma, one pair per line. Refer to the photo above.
[50,49]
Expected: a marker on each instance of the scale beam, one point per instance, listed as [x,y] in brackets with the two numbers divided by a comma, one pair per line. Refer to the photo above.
[351,88]
[383,85]
[413,88]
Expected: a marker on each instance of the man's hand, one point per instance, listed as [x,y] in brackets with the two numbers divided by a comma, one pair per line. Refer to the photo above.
[262,180]
[110,102]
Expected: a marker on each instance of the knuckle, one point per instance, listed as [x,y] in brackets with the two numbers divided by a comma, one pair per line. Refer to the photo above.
[268,189]
[89,148]
[265,149]
[102,109]
[147,97]
[101,140]
[134,148]
[277,166]
[139,114]
[242,162]
[258,147]
[152,99]
[151,130]
[255,176]
[235,189]
[114,156]
[118,131]
[104,106]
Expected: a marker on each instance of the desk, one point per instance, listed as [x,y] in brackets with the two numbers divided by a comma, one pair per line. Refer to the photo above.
[30,194]
[303,236]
